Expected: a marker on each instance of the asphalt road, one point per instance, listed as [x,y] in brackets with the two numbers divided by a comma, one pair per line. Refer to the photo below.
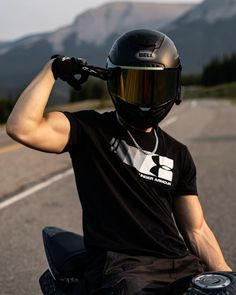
[207,127]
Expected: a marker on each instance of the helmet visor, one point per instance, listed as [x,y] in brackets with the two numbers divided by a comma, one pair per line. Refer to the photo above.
[145,87]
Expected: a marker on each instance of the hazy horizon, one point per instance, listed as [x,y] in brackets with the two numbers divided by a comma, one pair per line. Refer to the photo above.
[22,18]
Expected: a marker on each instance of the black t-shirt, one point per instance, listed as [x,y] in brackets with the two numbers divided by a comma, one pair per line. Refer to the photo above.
[126,194]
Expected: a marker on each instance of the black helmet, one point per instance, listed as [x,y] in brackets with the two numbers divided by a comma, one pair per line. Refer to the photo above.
[145,80]
[215,283]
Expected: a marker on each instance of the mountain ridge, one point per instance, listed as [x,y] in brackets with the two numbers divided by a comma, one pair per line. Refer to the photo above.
[200,33]
[205,32]
[90,35]
[108,20]
[210,11]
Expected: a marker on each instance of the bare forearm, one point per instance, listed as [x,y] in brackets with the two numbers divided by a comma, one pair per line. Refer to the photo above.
[204,244]
[29,109]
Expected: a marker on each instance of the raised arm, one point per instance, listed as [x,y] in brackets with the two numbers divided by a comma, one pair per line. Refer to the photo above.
[29,125]
[197,234]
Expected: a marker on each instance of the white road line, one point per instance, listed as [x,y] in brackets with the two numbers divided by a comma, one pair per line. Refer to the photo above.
[10,148]
[56,178]
[35,189]
[168,121]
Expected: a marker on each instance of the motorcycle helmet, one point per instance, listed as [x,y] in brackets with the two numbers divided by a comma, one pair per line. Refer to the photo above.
[213,283]
[145,77]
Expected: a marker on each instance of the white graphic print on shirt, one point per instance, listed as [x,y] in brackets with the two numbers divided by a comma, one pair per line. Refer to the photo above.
[152,167]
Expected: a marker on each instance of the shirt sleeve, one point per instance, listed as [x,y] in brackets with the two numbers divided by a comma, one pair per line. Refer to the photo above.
[75,131]
[187,184]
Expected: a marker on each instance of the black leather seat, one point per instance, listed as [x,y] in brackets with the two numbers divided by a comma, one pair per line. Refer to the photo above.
[66,254]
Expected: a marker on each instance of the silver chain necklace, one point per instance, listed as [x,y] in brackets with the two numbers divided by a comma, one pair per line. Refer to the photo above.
[135,142]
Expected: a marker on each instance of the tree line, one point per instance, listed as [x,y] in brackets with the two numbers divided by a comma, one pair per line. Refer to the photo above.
[218,71]
[92,89]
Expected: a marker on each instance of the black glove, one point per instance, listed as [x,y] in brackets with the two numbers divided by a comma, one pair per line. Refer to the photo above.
[65,67]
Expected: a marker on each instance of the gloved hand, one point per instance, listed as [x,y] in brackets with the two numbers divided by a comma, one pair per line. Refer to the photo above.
[65,67]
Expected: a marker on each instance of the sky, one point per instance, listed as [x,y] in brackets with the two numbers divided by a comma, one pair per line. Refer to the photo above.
[21,18]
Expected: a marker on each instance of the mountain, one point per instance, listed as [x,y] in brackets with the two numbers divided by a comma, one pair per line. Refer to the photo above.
[210,11]
[200,32]
[96,25]
[90,36]
[206,31]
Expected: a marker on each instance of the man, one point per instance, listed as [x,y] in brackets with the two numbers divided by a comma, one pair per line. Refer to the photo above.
[135,182]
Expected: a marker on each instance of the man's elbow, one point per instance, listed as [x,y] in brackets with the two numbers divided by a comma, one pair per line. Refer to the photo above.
[16,132]
[11,129]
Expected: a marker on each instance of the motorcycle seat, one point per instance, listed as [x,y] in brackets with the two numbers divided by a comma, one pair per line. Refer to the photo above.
[66,253]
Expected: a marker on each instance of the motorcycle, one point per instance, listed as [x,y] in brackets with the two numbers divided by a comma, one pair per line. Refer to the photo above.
[67,258]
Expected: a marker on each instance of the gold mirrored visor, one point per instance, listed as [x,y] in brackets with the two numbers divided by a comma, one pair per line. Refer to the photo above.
[144,86]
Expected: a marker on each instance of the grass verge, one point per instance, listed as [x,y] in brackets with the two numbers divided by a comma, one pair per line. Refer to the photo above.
[223,91]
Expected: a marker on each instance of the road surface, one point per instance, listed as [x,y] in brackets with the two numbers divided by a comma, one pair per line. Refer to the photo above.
[31,197]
